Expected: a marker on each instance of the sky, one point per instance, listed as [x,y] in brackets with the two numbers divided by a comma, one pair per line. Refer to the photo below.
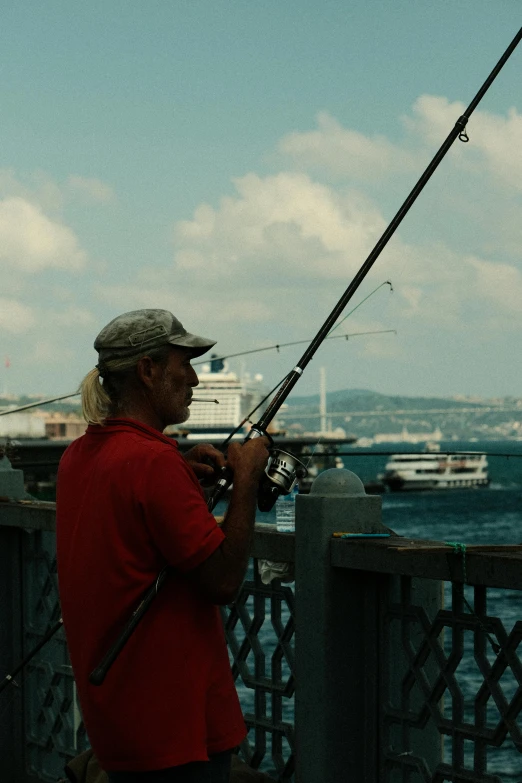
[236,162]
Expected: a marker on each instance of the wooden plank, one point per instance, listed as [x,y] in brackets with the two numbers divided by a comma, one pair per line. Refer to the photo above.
[490,567]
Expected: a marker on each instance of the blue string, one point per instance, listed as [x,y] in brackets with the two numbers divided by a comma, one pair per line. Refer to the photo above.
[461,550]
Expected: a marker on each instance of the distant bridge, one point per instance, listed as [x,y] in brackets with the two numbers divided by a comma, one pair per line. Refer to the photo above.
[294,412]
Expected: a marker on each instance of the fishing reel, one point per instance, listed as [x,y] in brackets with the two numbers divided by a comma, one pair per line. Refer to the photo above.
[280,475]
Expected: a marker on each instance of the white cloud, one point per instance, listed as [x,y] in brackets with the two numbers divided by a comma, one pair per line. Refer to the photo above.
[285,223]
[15,317]
[344,152]
[38,188]
[495,143]
[290,228]
[432,117]
[30,241]
[495,140]
[273,258]
[501,285]
[280,253]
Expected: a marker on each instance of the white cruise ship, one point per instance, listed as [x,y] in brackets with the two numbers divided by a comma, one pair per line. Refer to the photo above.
[236,396]
[435,471]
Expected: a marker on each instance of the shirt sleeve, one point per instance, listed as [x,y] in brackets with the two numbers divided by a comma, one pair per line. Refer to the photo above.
[176,513]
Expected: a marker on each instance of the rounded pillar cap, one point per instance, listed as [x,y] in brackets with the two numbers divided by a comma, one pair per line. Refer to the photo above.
[337,481]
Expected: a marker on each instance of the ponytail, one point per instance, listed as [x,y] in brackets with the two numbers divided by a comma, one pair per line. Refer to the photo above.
[96,403]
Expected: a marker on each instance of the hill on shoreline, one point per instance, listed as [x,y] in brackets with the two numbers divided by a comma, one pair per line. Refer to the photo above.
[366,413]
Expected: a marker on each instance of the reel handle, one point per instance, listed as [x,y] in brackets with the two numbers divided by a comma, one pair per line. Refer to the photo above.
[222,484]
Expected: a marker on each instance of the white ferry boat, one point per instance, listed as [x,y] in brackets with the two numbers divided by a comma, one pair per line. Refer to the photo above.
[435,471]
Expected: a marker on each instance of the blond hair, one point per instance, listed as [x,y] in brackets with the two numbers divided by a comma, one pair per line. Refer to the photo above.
[96,402]
[101,393]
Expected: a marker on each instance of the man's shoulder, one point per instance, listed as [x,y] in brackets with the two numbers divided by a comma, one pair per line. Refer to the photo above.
[134,443]
[117,441]
[132,431]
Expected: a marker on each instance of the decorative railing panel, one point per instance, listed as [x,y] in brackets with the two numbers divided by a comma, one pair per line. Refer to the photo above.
[448,672]
[460,678]
[54,731]
[260,628]
[260,632]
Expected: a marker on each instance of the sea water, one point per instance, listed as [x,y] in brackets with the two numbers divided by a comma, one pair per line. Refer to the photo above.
[491,515]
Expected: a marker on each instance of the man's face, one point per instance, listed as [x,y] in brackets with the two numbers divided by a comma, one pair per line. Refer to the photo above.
[174,390]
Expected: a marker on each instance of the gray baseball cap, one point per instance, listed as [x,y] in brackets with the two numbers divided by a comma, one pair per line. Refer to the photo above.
[133,333]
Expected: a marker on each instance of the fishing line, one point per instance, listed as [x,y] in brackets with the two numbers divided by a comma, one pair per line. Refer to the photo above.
[386,282]
[313,452]
[247,418]
[300,342]
[277,347]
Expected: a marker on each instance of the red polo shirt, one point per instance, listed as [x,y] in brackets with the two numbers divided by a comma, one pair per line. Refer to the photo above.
[127,505]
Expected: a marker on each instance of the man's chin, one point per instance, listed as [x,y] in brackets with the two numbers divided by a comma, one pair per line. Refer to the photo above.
[181,417]
[184,415]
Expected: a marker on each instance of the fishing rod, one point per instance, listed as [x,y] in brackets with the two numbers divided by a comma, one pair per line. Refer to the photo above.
[276,346]
[278,482]
[66,397]
[280,479]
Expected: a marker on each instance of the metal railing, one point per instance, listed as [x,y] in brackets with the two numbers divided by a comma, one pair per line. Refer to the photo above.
[260,631]
[40,720]
[450,674]
[406,654]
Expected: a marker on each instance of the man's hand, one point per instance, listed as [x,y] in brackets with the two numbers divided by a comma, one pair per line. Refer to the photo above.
[205,461]
[248,461]
[220,576]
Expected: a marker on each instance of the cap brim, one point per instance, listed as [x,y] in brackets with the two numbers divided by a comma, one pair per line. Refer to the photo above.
[198,345]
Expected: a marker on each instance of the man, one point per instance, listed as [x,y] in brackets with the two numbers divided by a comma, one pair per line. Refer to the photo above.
[129,504]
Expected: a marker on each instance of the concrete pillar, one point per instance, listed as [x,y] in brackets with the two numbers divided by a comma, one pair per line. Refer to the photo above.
[348,658]
[336,636]
[11,481]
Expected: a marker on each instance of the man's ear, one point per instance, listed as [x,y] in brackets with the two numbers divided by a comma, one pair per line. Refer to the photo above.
[147,371]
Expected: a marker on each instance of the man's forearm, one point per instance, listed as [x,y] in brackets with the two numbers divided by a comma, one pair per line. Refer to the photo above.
[221,574]
[238,527]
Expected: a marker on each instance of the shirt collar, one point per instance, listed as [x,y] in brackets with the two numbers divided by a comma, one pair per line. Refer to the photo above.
[117,425]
